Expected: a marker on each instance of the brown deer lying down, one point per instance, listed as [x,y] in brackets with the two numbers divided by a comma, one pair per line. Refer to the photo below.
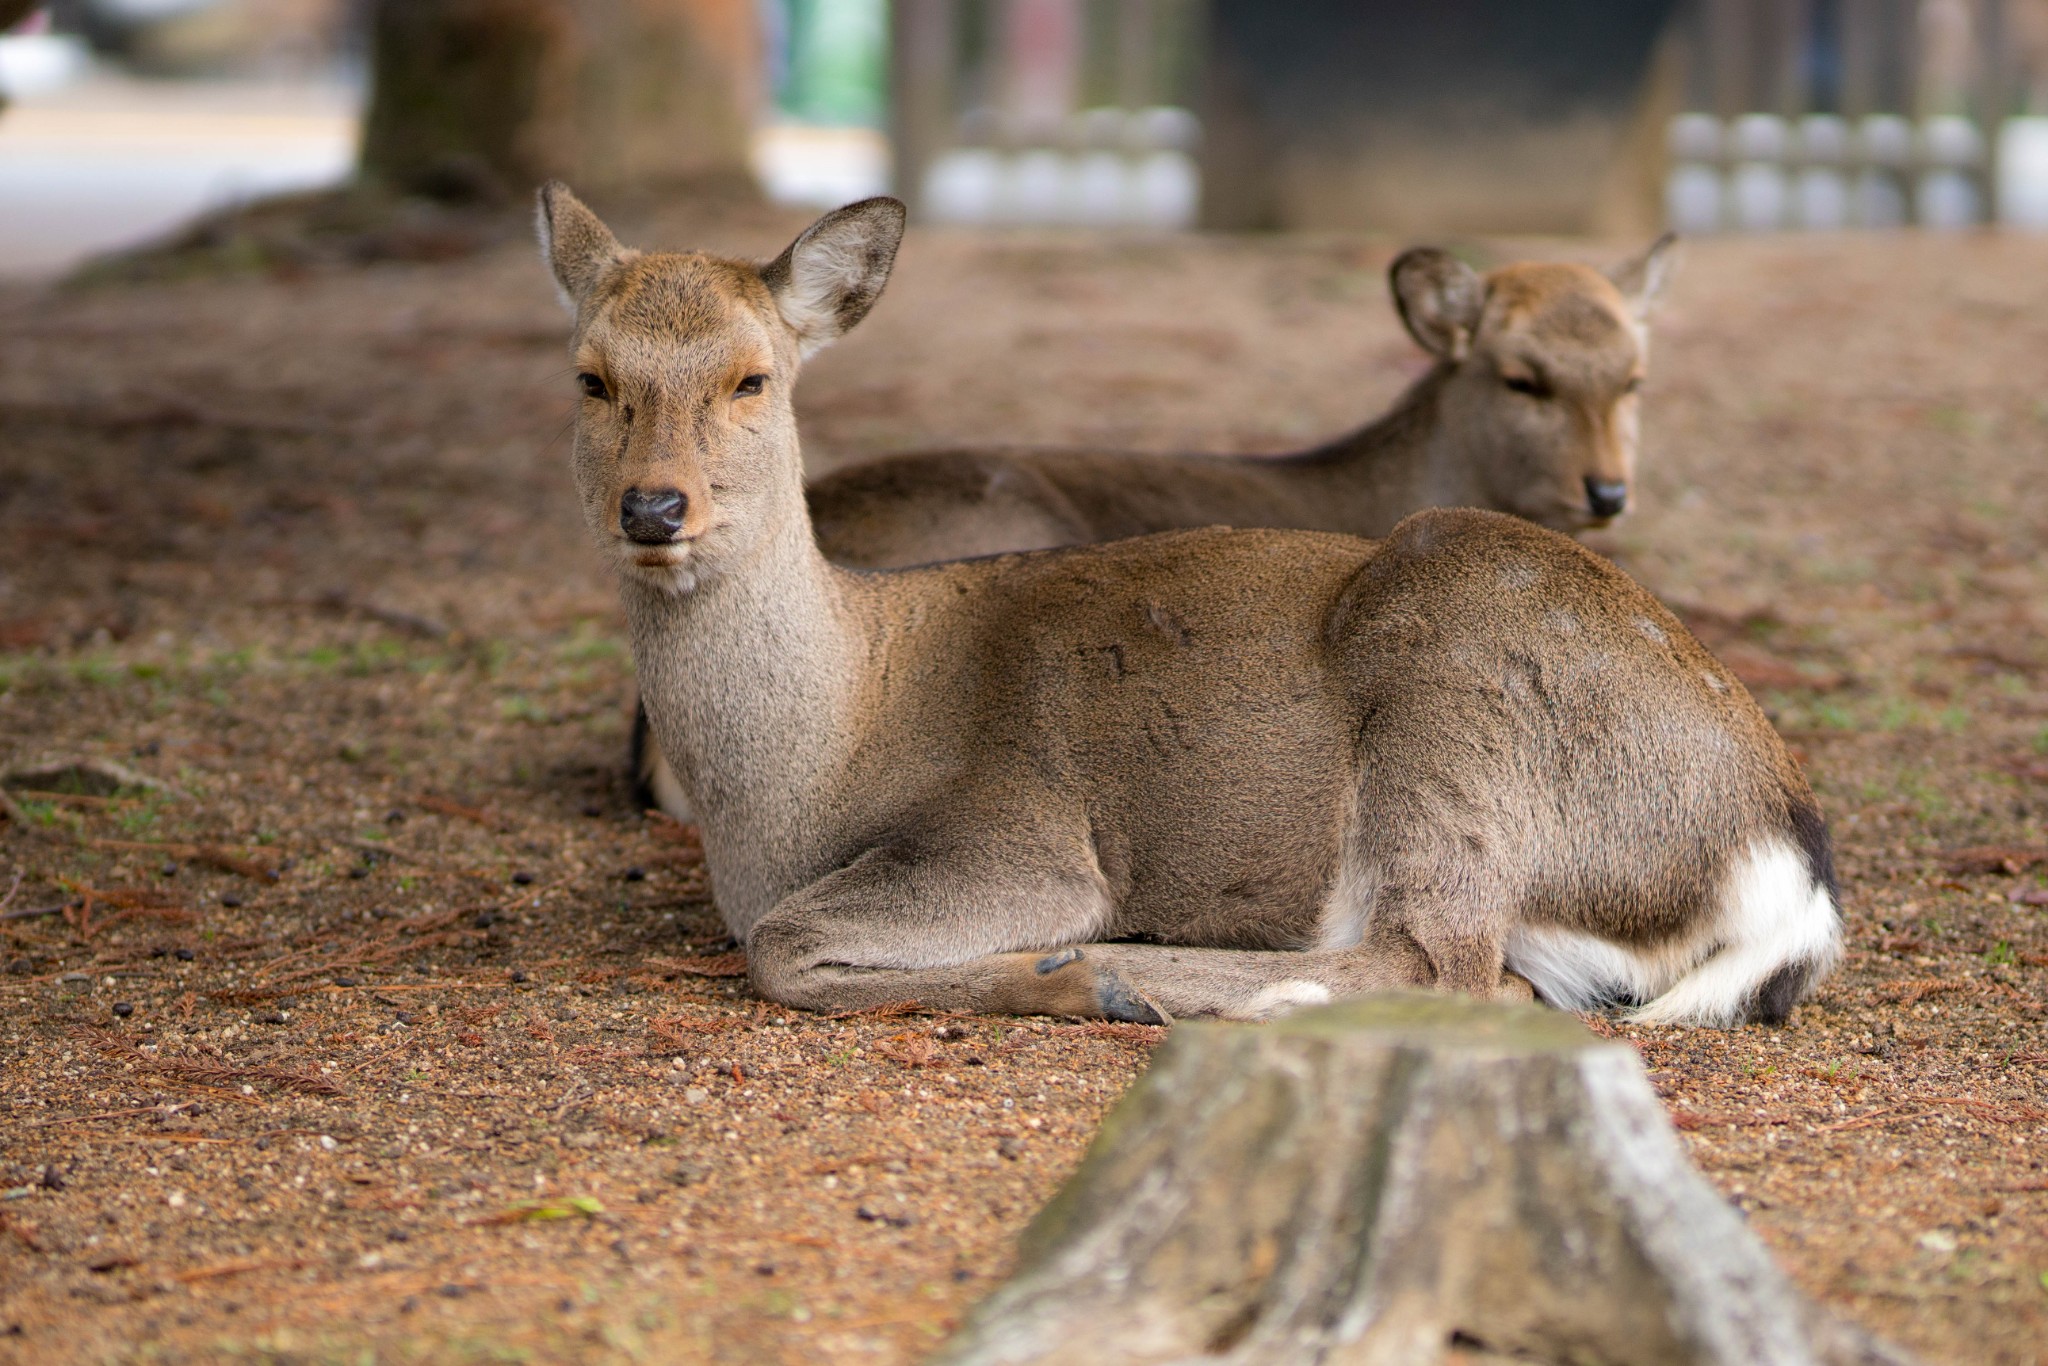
[1531,408]
[1204,772]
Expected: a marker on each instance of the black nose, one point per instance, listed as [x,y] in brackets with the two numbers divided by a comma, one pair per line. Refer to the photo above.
[652,516]
[1606,498]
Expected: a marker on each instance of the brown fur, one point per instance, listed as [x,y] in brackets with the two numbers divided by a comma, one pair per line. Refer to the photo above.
[1221,772]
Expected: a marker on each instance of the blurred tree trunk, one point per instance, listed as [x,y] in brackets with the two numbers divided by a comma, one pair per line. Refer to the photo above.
[486,98]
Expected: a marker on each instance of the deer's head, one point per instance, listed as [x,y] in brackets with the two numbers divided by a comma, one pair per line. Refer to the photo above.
[686,446]
[1543,364]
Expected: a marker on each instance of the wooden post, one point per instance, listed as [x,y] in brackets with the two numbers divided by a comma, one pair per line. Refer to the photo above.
[922,56]
[485,98]
[1398,1179]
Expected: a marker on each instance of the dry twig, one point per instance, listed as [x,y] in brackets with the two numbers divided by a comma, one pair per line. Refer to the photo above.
[204,1070]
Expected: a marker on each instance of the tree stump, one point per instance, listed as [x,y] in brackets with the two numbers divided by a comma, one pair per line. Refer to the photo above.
[476,98]
[1398,1179]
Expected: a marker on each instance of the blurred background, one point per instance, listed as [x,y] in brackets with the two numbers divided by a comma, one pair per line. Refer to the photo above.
[125,117]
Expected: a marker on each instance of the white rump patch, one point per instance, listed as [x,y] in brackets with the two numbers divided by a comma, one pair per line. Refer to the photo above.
[1285,996]
[1770,914]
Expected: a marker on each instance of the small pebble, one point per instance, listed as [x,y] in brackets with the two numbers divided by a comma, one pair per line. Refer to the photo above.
[344,981]
[565,1014]
[524,879]
[592,809]
[170,868]
[870,1215]
[486,919]
[124,1008]
[518,977]
[262,1144]
[452,1291]
[1012,1148]
[359,872]
[636,875]
[52,1179]
[404,1017]
[765,1269]
[270,1017]
[394,817]
[231,901]
[185,955]
[398,1235]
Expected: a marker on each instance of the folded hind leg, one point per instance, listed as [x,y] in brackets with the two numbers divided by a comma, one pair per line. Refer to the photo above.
[1459,936]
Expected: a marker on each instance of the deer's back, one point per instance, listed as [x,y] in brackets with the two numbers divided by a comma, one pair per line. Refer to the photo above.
[929,507]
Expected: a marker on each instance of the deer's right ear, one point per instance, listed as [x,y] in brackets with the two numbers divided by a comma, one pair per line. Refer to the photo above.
[833,273]
[573,241]
[1440,298]
[1641,279]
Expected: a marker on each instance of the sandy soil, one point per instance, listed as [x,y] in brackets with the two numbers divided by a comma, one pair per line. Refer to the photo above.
[389,1030]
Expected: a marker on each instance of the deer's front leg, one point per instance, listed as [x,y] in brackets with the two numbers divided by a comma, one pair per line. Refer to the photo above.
[976,934]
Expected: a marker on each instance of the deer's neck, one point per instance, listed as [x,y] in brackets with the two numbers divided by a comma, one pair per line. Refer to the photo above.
[1397,463]
[751,684]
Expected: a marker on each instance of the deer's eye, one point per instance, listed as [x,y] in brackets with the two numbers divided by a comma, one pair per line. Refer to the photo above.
[1635,383]
[750,386]
[593,386]
[1527,384]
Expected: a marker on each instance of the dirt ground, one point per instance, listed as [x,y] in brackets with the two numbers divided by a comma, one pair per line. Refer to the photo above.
[387,1029]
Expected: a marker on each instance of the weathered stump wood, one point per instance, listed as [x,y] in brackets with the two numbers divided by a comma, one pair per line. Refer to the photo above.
[1398,1179]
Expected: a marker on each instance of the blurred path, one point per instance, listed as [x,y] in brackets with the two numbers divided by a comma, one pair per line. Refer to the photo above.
[113,160]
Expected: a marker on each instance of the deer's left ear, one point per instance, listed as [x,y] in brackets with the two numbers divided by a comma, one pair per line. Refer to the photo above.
[832,274]
[1642,278]
[573,241]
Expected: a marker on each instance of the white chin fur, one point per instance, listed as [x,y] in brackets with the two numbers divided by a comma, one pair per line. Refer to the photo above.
[679,576]
[1771,914]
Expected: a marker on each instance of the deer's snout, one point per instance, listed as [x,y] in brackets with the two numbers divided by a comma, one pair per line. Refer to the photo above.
[1605,497]
[652,516]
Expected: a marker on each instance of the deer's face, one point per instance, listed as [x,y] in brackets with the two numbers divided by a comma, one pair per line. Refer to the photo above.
[686,446]
[1548,395]
[1541,366]
[685,440]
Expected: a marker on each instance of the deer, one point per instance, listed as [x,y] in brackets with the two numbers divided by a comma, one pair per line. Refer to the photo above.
[1210,772]
[1530,406]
